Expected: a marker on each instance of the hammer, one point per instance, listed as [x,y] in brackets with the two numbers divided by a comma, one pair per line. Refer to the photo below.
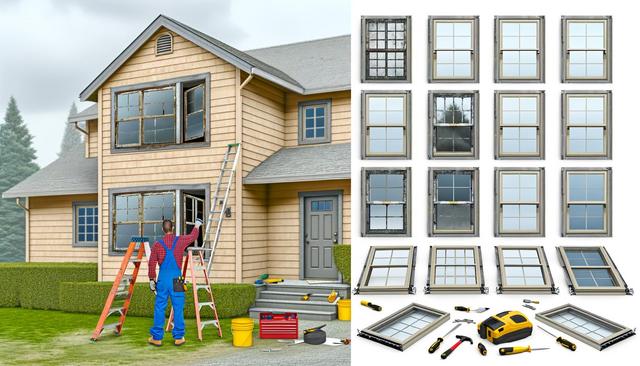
[461,338]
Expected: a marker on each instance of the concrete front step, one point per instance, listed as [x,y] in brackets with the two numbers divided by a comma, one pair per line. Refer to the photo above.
[293,296]
[302,314]
[304,288]
[296,305]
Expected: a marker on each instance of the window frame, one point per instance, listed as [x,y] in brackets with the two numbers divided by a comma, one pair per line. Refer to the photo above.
[575,289]
[431,125]
[607,131]
[607,202]
[365,95]
[607,56]
[364,78]
[408,287]
[185,118]
[75,205]
[431,195]
[499,125]
[432,287]
[540,203]
[365,231]
[475,50]
[540,50]
[326,104]
[504,288]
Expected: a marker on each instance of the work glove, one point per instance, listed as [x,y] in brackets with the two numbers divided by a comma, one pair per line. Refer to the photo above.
[198,223]
[152,285]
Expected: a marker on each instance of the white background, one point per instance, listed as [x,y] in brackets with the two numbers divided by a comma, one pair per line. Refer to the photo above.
[623,246]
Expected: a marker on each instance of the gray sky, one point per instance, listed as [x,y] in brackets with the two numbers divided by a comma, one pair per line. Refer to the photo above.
[52,49]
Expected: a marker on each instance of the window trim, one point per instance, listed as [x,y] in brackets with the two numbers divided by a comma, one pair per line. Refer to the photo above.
[504,288]
[431,194]
[540,173]
[475,51]
[431,287]
[564,107]
[498,125]
[366,171]
[365,126]
[363,46]
[564,59]
[576,289]
[75,243]
[540,51]
[607,203]
[475,125]
[408,287]
[327,123]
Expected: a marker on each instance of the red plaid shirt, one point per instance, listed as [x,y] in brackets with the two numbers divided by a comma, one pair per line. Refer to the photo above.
[158,253]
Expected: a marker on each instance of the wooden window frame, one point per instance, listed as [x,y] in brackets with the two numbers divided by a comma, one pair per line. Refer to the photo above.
[406,154]
[620,287]
[185,118]
[549,286]
[607,52]
[499,50]
[302,106]
[539,203]
[408,287]
[478,287]
[474,124]
[606,202]
[606,125]
[365,77]
[474,50]
[500,125]
[431,203]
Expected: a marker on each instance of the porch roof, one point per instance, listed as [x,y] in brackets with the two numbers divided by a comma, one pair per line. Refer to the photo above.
[304,164]
[86,114]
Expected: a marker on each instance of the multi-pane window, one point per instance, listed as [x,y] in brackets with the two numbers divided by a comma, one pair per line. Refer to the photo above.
[586,118]
[586,201]
[519,49]
[86,224]
[386,124]
[140,214]
[591,271]
[386,201]
[453,48]
[455,268]
[388,269]
[520,201]
[386,48]
[519,125]
[586,49]
[453,123]
[194,121]
[454,202]
[524,269]
[314,122]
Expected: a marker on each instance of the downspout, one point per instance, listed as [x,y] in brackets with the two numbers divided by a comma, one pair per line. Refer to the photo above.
[27,228]
[75,124]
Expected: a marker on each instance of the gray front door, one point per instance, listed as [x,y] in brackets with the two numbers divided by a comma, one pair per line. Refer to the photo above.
[320,235]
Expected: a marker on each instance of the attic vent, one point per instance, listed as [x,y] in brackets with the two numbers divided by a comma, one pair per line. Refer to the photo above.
[164,44]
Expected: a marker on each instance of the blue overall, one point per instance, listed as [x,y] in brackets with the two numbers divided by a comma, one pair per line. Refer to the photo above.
[169,270]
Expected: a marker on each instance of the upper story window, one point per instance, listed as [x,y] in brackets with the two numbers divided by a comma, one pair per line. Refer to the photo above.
[386,47]
[519,49]
[519,118]
[453,123]
[314,123]
[386,124]
[586,118]
[586,49]
[453,49]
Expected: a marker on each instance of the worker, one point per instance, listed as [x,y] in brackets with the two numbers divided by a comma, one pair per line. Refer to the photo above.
[168,253]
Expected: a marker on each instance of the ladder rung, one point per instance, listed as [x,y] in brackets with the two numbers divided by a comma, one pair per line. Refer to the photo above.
[110,326]
[122,293]
[203,286]
[198,249]
[116,310]
[208,322]
[199,268]
[136,260]
[209,303]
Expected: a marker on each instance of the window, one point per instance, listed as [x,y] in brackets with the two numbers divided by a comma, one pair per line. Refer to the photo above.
[140,214]
[586,49]
[386,124]
[405,327]
[453,49]
[85,224]
[386,203]
[586,121]
[194,119]
[314,122]
[386,47]
[454,203]
[164,44]
[591,271]
[586,196]
[519,125]
[524,269]
[592,329]
[519,49]
[453,121]
[520,202]
[455,269]
[388,269]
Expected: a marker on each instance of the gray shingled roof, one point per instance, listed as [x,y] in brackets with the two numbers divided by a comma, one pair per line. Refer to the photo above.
[86,114]
[303,164]
[70,174]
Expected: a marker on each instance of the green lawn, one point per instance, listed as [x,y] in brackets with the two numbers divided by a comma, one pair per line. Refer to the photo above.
[54,338]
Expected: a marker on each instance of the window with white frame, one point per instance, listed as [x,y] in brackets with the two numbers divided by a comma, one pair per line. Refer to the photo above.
[586,201]
[591,271]
[519,121]
[386,124]
[386,201]
[453,48]
[314,123]
[455,269]
[388,269]
[386,45]
[586,124]
[454,202]
[586,48]
[453,123]
[524,269]
[520,201]
[85,224]
[519,49]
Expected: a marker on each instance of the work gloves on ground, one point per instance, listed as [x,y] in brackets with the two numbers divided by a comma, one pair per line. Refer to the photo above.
[198,223]
[152,285]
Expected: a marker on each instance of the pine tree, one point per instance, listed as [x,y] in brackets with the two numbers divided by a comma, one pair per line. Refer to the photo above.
[71,137]
[17,162]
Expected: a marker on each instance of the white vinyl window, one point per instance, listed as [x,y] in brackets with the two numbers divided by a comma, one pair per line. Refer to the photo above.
[520,202]
[455,269]
[453,44]
[386,124]
[586,124]
[519,125]
[388,269]
[586,201]
[519,49]
[586,49]
[524,269]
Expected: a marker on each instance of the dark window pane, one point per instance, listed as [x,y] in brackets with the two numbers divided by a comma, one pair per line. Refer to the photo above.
[128,105]
[124,232]
[453,217]
[159,130]
[158,207]
[195,126]
[159,102]
[453,139]
[195,99]
[584,258]
[153,231]
[128,133]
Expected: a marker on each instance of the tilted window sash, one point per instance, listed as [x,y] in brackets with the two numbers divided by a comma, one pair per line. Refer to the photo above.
[590,270]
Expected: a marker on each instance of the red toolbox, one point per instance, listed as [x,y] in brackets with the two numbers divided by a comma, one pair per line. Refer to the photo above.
[279,326]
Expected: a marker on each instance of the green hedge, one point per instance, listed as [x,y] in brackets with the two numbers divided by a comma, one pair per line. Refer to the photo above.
[37,285]
[342,256]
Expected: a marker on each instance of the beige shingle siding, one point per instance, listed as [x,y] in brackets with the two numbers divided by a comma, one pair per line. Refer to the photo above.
[91,141]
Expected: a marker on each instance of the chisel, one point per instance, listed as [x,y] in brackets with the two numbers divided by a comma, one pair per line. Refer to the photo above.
[504,351]
[563,342]
[464,308]
[434,347]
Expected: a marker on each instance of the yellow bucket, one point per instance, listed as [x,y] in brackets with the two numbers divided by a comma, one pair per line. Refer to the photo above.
[344,309]
[242,331]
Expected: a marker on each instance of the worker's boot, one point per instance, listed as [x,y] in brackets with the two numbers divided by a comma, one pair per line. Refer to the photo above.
[154,342]
[180,341]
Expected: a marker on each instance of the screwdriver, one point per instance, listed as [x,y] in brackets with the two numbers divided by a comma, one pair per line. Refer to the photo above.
[434,347]
[517,349]
[371,305]
[563,342]
[464,308]
[527,301]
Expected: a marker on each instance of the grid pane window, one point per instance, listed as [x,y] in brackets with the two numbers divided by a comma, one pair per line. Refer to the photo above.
[314,123]
[586,49]
[408,325]
[586,122]
[591,270]
[453,208]
[453,125]
[519,201]
[519,48]
[141,214]
[386,46]
[386,125]
[586,326]
[519,124]
[455,267]
[453,48]
[195,117]
[386,202]
[86,224]
[587,201]
[388,269]
[522,267]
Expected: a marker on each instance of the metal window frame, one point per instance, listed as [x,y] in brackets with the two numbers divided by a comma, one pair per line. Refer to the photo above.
[326,103]
[622,333]
[621,287]
[479,287]
[499,125]
[549,285]
[75,242]
[363,45]
[564,66]
[408,287]
[607,132]
[475,50]
[364,102]
[475,125]
[475,201]
[370,332]
[365,231]
[540,173]
[607,231]
[540,50]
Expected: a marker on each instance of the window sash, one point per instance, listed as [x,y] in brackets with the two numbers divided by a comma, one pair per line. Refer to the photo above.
[568,125]
[537,202]
[187,114]
[140,221]
[406,286]
[302,122]
[435,203]
[432,286]
[435,125]
[503,287]
[502,48]
[93,226]
[368,125]
[436,49]
[386,51]
[568,49]
[502,125]
[619,285]
[605,202]
[369,202]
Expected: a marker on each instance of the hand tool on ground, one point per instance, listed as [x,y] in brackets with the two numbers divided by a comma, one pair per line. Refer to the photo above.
[370,305]
[306,297]
[507,326]
[464,308]
[434,347]
[273,280]
[529,306]
[327,342]
[468,321]
[563,342]
[482,349]
[504,351]
[461,338]
[527,301]
[315,335]
[332,296]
